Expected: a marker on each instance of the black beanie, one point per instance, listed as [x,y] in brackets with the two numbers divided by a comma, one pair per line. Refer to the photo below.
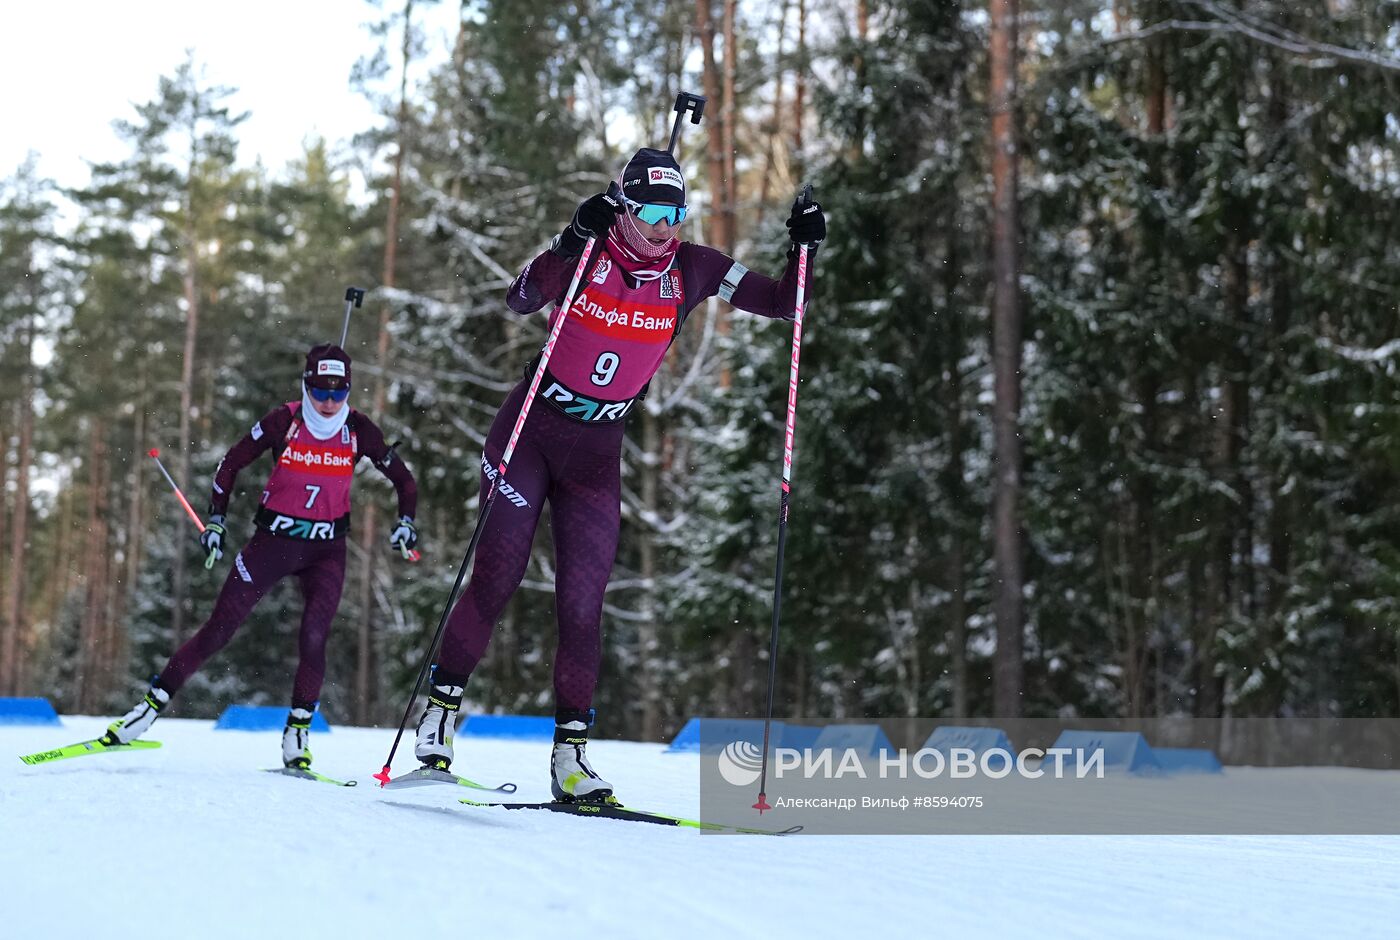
[654,176]
[327,366]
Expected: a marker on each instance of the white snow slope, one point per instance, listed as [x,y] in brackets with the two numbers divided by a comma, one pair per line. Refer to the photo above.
[192,841]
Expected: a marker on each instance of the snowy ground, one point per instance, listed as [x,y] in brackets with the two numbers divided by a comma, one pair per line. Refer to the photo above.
[191,840]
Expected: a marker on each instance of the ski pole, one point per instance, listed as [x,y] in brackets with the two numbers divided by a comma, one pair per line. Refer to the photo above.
[354,297]
[383,775]
[154,454]
[785,489]
[409,554]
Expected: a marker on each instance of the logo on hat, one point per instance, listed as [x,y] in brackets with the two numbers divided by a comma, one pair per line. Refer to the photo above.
[330,367]
[665,175]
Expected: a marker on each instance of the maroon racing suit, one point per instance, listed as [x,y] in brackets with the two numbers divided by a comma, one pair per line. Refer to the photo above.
[302,523]
[569,452]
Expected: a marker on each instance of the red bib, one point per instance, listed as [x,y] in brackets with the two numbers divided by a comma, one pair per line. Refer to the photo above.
[312,478]
[617,335]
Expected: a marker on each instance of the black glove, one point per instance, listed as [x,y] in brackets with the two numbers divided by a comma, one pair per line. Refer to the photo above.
[212,540]
[593,217]
[807,224]
[405,535]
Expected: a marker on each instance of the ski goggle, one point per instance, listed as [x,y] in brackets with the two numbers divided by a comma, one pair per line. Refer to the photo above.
[328,394]
[651,213]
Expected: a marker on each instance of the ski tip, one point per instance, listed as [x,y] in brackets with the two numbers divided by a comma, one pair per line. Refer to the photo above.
[382,777]
[507,788]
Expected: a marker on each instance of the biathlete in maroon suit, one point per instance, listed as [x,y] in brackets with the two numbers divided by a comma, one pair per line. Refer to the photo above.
[302,521]
[637,290]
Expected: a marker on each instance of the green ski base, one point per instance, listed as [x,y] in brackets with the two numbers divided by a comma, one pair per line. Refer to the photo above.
[86,748]
[615,810]
[303,774]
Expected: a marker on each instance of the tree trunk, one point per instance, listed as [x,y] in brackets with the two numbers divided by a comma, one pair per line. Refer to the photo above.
[1138,609]
[719,234]
[714,129]
[182,465]
[1282,498]
[1221,581]
[1141,558]
[1006,354]
[14,647]
[799,103]
[1232,528]
[118,647]
[912,658]
[956,490]
[63,562]
[728,112]
[91,675]
[366,663]
[858,67]
[775,132]
[11,420]
[1156,90]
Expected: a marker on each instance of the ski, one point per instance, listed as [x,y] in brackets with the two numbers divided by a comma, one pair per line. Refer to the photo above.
[614,810]
[310,775]
[427,776]
[84,748]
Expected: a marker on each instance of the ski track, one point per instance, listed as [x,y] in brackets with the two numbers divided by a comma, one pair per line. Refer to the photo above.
[192,840]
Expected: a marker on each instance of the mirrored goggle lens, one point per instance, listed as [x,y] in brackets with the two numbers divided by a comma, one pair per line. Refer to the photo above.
[329,394]
[652,214]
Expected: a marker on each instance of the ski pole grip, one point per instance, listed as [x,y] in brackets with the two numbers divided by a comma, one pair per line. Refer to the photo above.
[804,199]
[685,103]
[695,104]
[355,295]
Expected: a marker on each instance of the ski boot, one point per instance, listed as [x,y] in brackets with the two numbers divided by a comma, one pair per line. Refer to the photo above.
[139,720]
[436,727]
[296,755]
[572,778]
